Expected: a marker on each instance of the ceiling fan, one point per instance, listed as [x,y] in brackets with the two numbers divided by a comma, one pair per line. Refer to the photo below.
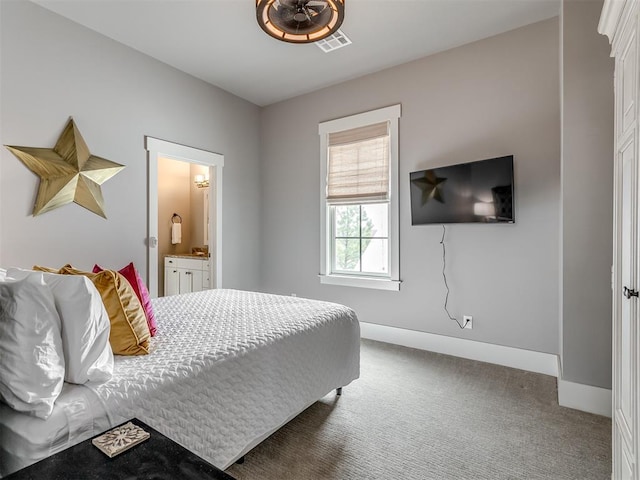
[300,21]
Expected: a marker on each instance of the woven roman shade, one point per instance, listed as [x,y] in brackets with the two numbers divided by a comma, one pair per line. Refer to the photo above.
[358,166]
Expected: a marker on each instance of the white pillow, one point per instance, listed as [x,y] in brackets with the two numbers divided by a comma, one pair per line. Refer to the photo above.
[31,358]
[3,274]
[85,326]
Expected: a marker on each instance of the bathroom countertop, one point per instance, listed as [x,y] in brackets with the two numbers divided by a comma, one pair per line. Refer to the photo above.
[188,255]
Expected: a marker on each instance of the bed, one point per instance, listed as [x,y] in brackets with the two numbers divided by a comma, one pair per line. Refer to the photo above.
[227,369]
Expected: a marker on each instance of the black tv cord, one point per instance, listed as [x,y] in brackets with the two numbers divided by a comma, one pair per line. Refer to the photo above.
[444,275]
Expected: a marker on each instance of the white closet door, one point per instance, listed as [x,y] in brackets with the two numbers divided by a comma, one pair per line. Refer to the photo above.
[625,328]
[619,21]
[625,285]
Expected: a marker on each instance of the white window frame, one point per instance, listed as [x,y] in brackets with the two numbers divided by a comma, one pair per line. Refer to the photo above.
[389,114]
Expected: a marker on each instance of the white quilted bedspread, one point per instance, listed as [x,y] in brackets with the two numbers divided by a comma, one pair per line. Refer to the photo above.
[229,367]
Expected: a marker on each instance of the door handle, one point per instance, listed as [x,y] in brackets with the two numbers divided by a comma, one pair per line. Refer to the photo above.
[627,292]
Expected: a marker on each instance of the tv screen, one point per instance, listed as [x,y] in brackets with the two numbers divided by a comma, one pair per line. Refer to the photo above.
[476,192]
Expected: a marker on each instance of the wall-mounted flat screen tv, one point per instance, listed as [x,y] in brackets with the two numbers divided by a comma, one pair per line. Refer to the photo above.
[475,192]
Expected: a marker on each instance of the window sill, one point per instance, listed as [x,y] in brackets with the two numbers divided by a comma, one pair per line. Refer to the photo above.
[361,282]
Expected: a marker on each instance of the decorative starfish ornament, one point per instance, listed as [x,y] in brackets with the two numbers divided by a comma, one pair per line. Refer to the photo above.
[68,172]
[431,187]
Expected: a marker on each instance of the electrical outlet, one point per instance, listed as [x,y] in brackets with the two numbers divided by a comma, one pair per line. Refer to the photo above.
[467,321]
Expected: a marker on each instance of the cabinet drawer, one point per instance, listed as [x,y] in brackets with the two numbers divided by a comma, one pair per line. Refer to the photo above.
[190,263]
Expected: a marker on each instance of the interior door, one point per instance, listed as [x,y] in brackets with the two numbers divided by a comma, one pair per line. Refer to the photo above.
[619,21]
[625,331]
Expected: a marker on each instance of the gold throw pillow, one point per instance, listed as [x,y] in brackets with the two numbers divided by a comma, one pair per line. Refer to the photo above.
[129,329]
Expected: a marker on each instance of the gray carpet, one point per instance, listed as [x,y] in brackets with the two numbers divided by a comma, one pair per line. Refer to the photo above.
[420,415]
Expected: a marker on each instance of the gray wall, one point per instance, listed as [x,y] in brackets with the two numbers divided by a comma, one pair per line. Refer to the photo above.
[587,193]
[498,96]
[494,97]
[53,68]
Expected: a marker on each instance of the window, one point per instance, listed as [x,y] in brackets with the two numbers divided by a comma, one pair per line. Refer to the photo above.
[360,233]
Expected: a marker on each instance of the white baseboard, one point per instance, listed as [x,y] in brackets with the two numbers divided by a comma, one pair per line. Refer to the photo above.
[584,397]
[572,395]
[538,362]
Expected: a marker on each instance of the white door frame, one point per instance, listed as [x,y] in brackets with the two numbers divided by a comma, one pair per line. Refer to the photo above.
[161,148]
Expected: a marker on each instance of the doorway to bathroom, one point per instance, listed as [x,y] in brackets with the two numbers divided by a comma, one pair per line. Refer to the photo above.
[185,218]
[183,225]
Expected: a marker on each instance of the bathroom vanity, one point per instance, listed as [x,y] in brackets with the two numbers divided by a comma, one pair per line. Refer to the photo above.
[186,274]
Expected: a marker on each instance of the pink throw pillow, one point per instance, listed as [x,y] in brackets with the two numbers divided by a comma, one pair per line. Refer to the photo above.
[133,277]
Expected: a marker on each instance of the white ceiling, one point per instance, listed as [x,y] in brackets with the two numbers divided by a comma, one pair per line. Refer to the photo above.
[219,41]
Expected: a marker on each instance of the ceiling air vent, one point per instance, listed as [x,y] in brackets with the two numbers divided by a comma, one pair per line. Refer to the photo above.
[333,42]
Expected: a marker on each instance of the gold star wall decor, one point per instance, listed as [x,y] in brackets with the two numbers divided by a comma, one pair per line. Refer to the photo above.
[68,172]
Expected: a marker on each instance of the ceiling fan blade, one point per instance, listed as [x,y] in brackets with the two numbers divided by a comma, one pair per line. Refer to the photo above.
[289,4]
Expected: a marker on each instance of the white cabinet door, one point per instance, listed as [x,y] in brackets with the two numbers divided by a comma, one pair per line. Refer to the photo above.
[186,281]
[171,281]
[185,275]
[190,280]
[196,280]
